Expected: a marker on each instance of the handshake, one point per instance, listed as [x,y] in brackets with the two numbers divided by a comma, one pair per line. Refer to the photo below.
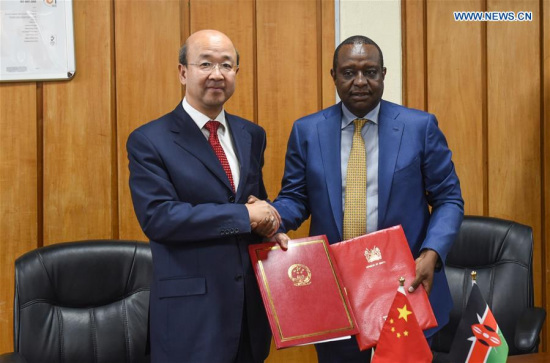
[265,220]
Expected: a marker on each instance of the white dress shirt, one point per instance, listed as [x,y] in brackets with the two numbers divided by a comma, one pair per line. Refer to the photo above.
[224,135]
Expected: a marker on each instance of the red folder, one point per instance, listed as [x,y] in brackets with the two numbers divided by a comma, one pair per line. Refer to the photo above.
[370,267]
[302,292]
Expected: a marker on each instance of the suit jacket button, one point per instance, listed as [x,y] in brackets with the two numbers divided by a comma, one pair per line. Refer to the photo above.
[238,277]
[231,199]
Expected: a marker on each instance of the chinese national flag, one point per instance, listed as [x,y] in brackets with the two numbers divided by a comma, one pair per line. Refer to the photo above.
[401,339]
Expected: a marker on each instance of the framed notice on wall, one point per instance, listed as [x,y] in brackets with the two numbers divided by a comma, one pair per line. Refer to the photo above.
[36,40]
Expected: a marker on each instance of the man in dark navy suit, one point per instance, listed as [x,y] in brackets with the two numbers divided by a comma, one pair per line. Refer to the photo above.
[191,172]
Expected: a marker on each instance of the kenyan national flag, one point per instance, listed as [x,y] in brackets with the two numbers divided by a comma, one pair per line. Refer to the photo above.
[478,338]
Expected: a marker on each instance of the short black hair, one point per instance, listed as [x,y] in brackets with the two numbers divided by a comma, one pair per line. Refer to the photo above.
[356,39]
[183,54]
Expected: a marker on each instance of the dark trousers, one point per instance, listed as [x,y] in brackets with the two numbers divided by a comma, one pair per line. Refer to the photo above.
[342,351]
[244,354]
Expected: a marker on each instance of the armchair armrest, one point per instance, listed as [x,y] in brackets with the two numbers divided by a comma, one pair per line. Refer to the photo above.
[12,358]
[528,329]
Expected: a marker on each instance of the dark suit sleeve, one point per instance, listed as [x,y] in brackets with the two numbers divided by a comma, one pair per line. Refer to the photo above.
[161,214]
[442,191]
[292,201]
[263,192]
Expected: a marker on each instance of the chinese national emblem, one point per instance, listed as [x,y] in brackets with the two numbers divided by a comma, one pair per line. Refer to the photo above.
[299,274]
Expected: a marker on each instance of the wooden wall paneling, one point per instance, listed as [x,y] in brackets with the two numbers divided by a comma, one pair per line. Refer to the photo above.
[288,82]
[304,354]
[545,278]
[78,134]
[147,42]
[455,91]
[18,191]
[236,20]
[327,46]
[514,125]
[414,54]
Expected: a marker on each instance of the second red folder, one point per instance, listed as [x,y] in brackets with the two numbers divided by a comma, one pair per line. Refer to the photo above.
[370,267]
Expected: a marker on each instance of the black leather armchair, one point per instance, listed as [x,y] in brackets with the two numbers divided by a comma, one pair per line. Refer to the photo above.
[501,252]
[82,302]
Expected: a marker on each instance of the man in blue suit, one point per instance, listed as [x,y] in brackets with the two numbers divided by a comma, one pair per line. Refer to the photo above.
[191,172]
[408,169]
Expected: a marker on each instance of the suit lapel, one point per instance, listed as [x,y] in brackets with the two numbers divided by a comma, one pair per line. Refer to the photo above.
[390,131]
[329,131]
[243,145]
[190,138]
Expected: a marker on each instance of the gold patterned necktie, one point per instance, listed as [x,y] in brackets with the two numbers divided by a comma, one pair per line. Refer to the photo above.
[355,211]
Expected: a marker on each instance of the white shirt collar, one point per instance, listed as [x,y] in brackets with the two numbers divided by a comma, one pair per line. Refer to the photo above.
[200,118]
[348,117]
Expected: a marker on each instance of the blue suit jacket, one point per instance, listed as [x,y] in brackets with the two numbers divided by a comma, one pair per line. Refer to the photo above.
[200,232]
[414,171]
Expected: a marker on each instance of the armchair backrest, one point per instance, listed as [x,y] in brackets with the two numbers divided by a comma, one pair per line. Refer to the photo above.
[501,252]
[83,302]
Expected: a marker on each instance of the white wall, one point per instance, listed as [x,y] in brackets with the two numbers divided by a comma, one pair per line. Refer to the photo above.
[379,20]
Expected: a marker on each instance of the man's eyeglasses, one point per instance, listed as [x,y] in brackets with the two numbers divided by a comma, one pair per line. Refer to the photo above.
[208,67]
